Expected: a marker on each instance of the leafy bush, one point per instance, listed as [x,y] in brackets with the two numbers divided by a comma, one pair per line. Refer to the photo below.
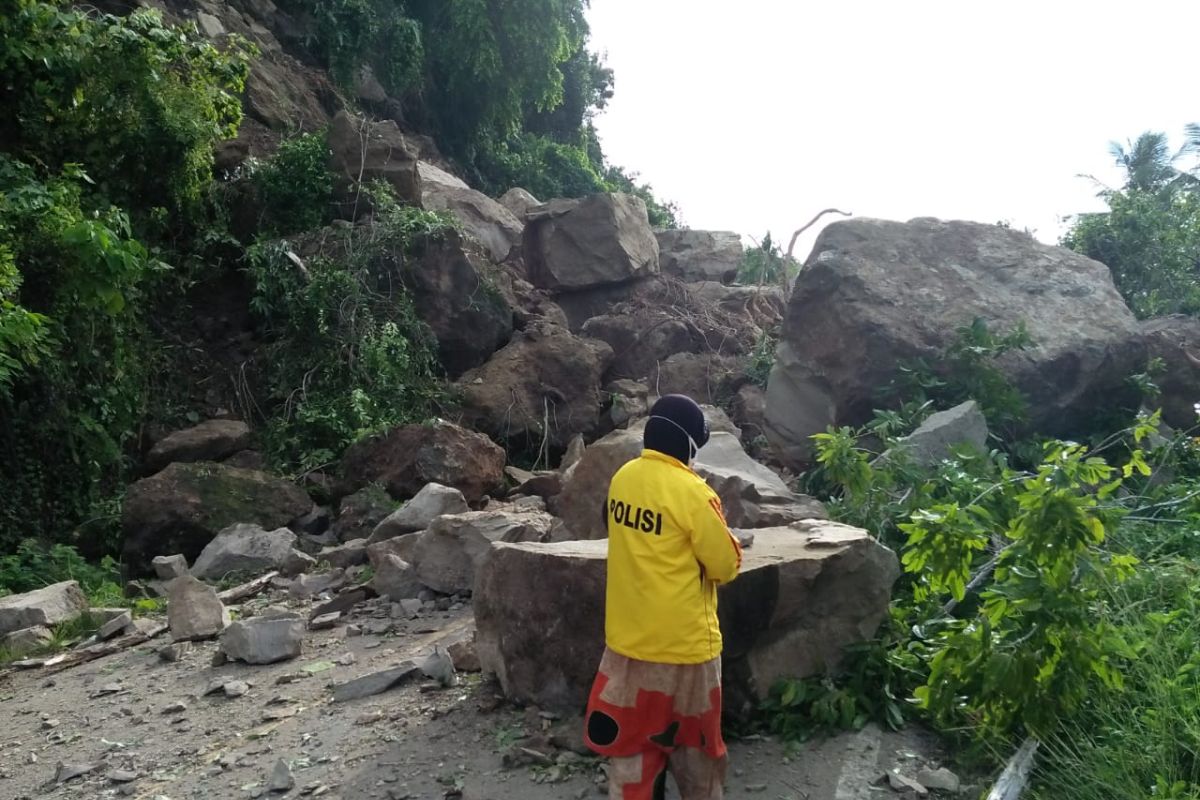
[137,103]
[34,565]
[766,264]
[350,355]
[762,358]
[295,186]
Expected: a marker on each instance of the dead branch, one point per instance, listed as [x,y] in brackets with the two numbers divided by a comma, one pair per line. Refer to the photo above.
[249,589]
[1016,773]
[811,222]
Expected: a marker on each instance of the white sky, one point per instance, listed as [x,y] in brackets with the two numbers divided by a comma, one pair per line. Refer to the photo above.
[754,115]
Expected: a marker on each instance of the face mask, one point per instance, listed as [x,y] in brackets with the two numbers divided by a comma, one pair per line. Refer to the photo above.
[692,442]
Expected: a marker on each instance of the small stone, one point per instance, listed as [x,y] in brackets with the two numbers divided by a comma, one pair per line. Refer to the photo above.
[438,666]
[411,607]
[325,621]
[346,659]
[115,625]
[942,780]
[169,567]
[373,683]
[175,708]
[900,783]
[281,778]
[122,776]
[69,771]
[194,611]
[235,688]
[174,652]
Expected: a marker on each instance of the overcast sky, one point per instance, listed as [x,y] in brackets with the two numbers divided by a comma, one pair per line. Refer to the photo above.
[754,115]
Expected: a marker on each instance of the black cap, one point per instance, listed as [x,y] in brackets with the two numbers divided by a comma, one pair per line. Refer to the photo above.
[671,439]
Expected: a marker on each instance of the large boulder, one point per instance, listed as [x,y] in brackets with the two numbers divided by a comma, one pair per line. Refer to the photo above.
[448,555]
[485,220]
[581,244]
[700,255]
[940,435]
[752,495]
[584,493]
[244,548]
[193,610]
[643,338]
[45,607]
[417,514]
[544,386]
[707,378]
[805,593]
[519,201]
[212,440]
[360,513]
[183,507]
[406,458]
[396,578]
[265,639]
[363,151]
[455,292]
[1176,340]
[876,295]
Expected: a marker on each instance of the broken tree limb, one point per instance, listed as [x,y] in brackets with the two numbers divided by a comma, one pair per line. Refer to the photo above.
[1016,773]
[249,589]
[83,655]
[811,222]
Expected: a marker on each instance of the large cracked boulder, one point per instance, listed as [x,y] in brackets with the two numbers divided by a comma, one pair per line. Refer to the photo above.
[805,593]
[700,255]
[363,151]
[447,556]
[752,495]
[1176,340]
[245,549]
[417,514]
[44,608]
[183,507]
[485,220]
[603,239]
[543,386]
[212,440]
[406,458]
[876,295]
[455,293]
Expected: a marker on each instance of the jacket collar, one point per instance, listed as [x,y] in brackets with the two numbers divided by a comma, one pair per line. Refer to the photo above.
[655,455]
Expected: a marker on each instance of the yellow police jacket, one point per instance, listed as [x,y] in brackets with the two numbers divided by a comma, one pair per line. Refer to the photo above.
[668,550]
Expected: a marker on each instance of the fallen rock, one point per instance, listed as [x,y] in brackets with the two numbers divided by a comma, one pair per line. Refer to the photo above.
[306,586]
[345,601]
[114,624]
[351,554]
[486,221]
[748,411]
[585,484]
[183,507]
[939,780]
[244,549]
[263,640]
[396,578]
[707,378]
[360,513]
[213,440]
[437,666]
[281,779]
[298,562]
[700,255]
[940,434]
[902,783]
[169,567]
[641,338]
[405,459]
[580,244]
[449,553]
[518,201]
[20,643]
[417,514]
[45,607]
[194,611]
[1176,340]
[464,655]
[752,495]
[876,295]
[804,594]
[543,386]
[362,152]
[174,652]
[402,546]
[374,683]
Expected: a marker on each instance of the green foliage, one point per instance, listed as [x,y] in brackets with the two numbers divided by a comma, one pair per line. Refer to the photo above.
[1150,241]
[1140,742]
[73,398]
[766,264]
[295,186]
[762,358]
[137,103]
[34,565]
[351,33]
[350,356]
[968,371]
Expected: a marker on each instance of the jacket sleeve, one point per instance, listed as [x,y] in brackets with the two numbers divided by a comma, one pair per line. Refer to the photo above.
[714,545]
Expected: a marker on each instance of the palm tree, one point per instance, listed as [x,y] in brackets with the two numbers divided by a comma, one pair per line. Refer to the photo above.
[1148,161]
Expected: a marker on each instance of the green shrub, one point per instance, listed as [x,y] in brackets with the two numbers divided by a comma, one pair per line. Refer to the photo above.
[295,186]
[766,265]
[350,356]
[34,565]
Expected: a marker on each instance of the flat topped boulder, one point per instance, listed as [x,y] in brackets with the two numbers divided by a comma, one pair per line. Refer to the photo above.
[876,295]
[45,607]
[212,440]
[806,592]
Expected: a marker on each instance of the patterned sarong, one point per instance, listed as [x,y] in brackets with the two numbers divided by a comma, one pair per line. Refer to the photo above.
[649,718]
